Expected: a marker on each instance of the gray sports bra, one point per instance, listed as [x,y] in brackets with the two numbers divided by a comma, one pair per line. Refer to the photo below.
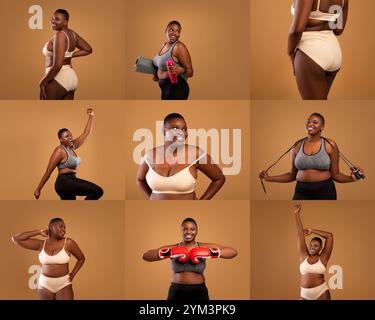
[188,266]
[72,162]
[317,161]
[160,60]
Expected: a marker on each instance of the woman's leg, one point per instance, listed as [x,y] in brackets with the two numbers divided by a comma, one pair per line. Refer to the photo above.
[325,296]
[65,293]
[45,294]
[174,91]
[69,95]
[55,91]
[63,187]
[80,187]
[312,81]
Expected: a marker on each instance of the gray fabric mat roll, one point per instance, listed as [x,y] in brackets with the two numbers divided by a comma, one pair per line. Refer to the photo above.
[144,65]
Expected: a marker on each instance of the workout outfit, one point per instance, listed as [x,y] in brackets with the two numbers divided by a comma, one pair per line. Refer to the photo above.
[183,292]
[316,268]
[66,77]
[169,90]
[180,183]
[68,186]
[322,46]
[54,285]
[321,190]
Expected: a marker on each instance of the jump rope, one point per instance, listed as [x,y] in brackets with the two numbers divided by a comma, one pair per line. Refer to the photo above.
[354,169]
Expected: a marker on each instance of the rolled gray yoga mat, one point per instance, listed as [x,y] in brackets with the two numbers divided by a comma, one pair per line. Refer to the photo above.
[144,65]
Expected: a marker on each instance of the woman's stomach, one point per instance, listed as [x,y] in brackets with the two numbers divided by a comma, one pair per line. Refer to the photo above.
[67,171]
[173,196]
[313,175]
[311,280]
[49,62]
[188,278]
[55,270]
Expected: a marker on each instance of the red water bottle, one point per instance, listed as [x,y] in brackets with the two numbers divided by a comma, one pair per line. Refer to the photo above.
[172,76]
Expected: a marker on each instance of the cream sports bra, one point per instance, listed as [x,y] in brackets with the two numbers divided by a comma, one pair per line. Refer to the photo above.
[316,268]
[67,54]
[322,16]
[60,258]
[180,183]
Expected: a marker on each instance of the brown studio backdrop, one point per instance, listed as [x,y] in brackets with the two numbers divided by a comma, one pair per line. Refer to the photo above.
[274,242]
[197,114]
[29,133]
[215,33]
[100,75]
[277,125]
[96,228]
[270,67]
[149,226]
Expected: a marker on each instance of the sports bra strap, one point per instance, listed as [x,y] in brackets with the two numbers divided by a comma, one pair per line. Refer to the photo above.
[44,244]
[65,242]
[146,161]
[195,161]
[67,49]
[318,6]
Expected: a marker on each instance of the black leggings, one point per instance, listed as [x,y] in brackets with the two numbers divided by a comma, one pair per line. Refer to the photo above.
[174,91]
[68,186]
[183,292]
[322,190]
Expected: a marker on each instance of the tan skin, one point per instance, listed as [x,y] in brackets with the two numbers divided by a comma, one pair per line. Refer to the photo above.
[54,243]
[59,155]
[314,253]
[180,54]
[314,127]
[300,61]
[50,88]
[189,231]
[167,169]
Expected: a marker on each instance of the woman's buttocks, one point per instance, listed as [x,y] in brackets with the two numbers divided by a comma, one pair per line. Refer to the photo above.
[313,175]
[311,280]
[55,270]
[188,278]
[170,196]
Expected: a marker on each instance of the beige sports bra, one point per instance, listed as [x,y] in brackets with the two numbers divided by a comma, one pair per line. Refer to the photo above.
[67,54]
[316,268]
[180,183]
[322,16]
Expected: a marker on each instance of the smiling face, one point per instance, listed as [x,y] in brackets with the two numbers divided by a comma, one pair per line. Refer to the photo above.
[58,21]
[189,231]
[173,33]
[57,229]
[66,139]
[314,125]
[315,247]
[175,130]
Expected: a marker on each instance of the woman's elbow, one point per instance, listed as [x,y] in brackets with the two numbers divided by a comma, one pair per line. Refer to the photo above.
[14,239]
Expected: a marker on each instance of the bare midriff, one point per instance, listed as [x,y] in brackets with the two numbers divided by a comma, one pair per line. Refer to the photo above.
[55,270]
[313,175]
[188,278]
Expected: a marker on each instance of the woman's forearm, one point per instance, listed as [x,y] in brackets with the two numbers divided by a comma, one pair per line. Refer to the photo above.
[25,235]
[89,125]
[213,188]
[323,234]
[228,253]
[43,181]
[76,268]
[151,255]
[342,178]
[81,53]
[293,41]
[283,178]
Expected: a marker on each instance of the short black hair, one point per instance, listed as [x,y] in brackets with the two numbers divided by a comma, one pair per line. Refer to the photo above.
[172,116]
[61,131]
[316,114]
[189,220]
[52,221]
[319,240]
[64,13]
[173,22]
